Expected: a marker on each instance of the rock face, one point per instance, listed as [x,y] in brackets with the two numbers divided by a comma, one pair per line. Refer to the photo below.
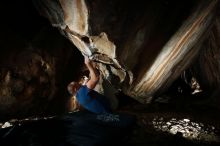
[34,74]
[96,29]
[139,49]
[208,59]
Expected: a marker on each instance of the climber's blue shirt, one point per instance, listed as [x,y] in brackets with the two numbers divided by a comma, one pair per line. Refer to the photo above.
[92,100]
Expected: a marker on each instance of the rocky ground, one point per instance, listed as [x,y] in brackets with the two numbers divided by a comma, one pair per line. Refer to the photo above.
[156,124]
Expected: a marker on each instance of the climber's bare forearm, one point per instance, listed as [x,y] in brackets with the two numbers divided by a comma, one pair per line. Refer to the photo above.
[94,75]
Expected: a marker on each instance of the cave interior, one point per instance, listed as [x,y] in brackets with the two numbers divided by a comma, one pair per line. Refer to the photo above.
[38,60]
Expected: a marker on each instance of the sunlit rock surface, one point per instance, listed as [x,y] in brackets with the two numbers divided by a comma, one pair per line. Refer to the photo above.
[187,128]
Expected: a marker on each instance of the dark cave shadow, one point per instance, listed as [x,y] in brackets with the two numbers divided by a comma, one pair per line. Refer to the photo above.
[80,128]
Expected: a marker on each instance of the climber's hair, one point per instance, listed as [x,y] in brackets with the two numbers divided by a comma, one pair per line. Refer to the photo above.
[72,89]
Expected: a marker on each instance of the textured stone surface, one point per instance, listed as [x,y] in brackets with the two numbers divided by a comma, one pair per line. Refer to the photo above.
[119,38]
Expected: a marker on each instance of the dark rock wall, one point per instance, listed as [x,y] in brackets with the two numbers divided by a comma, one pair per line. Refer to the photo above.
[36,64]
[209,60]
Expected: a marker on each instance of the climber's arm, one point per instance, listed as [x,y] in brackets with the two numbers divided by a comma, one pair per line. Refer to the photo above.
[93,72]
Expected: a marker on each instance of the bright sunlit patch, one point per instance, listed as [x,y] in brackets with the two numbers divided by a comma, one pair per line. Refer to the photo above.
[188,129]
[13,122]
[6,124]
[195,86]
